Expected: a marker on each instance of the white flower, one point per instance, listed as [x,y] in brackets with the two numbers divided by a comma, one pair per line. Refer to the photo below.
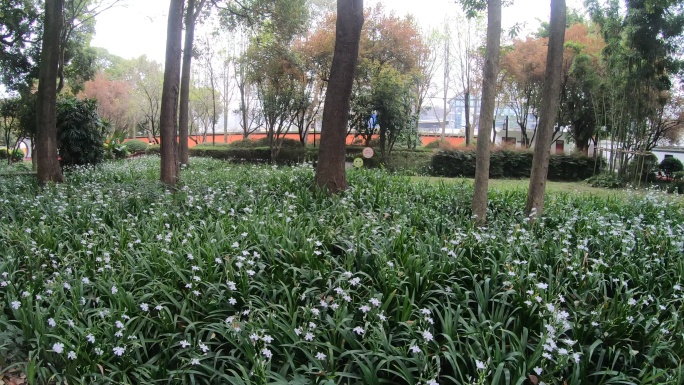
[267,353]
[144,307]
[119,324]
[375,302]
[85,280]
[576,356]
[231,285]
[254,337]
[232,301]
[425,311]
[98,351]
[414,349]
[58,347]
[309,337]
[428,336]
[315,311]
[538,370]
[355,281]
[358,330]
[432,382]
[480,365]
[195,361]
[298,331]
[204,348]
[365,308]
[114,290]
[67,286]
[119,351]
[563,352]
[266,338]
[71,355]
[631,302]
[184,344]
[90,338]
[542,285]
[16,305]
[320,356]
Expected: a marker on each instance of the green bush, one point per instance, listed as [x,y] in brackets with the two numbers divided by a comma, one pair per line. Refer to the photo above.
[671,165]
[80,132]
[287,155]
[17,155]
[505,163]
[153,149]
[606,180]
[440,144]
[135,146]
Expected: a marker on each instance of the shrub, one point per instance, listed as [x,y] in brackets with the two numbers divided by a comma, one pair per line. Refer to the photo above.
[606,180]
[440,144]
[17,155]
[287,155]
[114,146]
[80,136]
[135,146]
[508,163]
[153,149]
[671,165]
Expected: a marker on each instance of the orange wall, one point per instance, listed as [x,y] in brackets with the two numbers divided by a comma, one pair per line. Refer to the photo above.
[313,138]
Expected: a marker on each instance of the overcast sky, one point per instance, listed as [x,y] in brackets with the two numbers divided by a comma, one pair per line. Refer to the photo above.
[139,26]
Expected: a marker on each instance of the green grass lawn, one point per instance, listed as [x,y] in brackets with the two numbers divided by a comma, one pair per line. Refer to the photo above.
[580,187]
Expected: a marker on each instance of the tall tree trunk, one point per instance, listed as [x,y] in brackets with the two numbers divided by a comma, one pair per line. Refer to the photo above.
[548,110]
[46,154]
[169,102]
[184,114]
[330,173]
[491,68]
[466,102]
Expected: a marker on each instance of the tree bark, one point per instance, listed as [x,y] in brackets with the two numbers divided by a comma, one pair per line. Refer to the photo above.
[170,89]
[466,102]
[330,173]
[491,68]
[184,113]
[548,110]
[46,154]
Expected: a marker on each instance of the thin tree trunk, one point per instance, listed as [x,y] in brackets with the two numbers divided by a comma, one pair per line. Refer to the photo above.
[466,102]
[491,68]
[47,157]
[184,114]
[170,89]
[549,110]
[330,173]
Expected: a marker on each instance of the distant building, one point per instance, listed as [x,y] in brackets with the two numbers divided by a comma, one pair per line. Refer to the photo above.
[663,152]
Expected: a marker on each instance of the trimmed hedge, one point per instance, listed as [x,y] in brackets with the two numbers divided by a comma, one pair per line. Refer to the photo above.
[513,164]
[135,146]
[287,155]
[412,161]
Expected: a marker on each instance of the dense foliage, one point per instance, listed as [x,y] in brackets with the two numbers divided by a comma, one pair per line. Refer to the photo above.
[80,132]
[135,146]
[514,164]
[244,276]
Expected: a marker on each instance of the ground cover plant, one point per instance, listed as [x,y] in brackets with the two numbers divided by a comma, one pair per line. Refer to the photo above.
[244,276]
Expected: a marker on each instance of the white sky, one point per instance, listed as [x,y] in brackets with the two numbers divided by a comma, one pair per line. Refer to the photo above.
[139,26]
